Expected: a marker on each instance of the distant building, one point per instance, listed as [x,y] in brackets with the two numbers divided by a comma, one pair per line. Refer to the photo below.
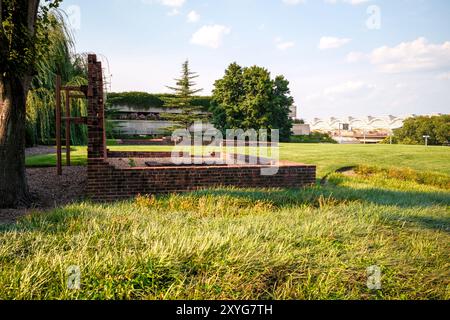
[301,129]
[293,114]
[132,120]
[358,130]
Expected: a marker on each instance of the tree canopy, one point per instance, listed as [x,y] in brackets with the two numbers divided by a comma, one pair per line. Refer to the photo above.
[23,33]
[414,130]
[248,98]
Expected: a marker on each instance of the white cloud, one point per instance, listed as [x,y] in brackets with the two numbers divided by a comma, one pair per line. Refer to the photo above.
[172,3]
[294,2]
[284,45]
[210,36]
[332,42]
[418,55]
[354,57]
[352,2]
[193,17]
[175,5]
[348,88]
[167,3]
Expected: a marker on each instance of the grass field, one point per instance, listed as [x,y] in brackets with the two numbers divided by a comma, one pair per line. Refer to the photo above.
[314,243]
[327,157]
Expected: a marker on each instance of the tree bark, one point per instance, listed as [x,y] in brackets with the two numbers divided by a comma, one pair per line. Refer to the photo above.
[13,183]
[13,94]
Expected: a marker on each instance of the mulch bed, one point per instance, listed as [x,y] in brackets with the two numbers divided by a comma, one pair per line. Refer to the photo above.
[50,190]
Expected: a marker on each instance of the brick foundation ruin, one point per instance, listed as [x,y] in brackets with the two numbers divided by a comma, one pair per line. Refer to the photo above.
[109,182]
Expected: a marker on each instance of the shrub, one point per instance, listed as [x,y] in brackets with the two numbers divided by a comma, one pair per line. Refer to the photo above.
[406,174]
[315,137]
[138,99]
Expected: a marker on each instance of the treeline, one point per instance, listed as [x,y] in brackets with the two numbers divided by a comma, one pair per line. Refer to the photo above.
[144,100]
[437,128]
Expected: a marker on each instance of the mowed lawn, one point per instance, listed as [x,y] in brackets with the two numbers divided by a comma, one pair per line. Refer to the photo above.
[327,157]
[313,243]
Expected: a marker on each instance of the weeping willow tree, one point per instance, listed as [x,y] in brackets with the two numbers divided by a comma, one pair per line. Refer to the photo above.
[60,58]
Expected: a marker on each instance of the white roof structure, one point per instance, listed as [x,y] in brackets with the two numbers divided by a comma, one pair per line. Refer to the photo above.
[367,123]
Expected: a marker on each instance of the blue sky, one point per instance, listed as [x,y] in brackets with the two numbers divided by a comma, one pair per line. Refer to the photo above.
[342,57]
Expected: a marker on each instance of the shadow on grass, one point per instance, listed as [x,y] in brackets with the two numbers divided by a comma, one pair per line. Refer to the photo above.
[433,223]
[54,221]
[290,197]
[334,195]
[318,196]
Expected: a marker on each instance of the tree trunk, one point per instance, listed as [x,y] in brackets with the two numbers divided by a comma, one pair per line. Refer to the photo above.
[14,88]
[13,184]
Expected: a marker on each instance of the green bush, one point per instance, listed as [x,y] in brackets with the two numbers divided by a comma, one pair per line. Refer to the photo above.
[406,174]
[315,137]
[138,99]
[147,100]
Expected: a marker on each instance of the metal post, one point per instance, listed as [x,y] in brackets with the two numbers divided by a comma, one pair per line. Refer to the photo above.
[426,140]
[58,126]
[68,128]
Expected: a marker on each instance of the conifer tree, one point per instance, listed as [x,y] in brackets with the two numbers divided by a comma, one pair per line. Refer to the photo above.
[185,92]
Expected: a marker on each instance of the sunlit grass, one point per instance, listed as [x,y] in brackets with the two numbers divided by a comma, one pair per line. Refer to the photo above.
[327,157]
[314,243]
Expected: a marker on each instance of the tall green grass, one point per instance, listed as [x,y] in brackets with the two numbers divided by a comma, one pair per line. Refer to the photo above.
[314,243]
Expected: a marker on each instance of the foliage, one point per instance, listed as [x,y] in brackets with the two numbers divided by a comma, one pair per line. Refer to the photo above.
[132,162]
[247,98]
[21,45]
[135,99]
[265,244]
[59,58]
[140,101]
[439,180]
[414,130]
[314,137]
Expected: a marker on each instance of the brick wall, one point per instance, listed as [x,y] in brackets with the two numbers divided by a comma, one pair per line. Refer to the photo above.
[96,110]
[138,154]
[108,183]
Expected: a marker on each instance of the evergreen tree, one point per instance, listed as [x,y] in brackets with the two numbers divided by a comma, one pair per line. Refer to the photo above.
[185,93]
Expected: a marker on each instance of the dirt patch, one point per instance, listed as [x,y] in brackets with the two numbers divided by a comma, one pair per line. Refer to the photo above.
[50,190]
